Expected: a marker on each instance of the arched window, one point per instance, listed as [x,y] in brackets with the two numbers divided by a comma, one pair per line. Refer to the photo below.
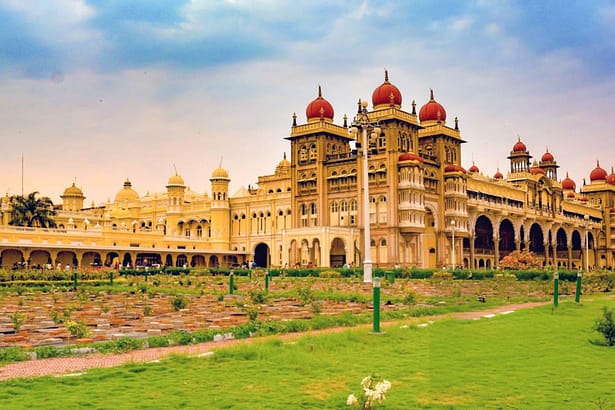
[344,206]
[313,208]
[334,207]
[303,153]
[199,231]
[313,152]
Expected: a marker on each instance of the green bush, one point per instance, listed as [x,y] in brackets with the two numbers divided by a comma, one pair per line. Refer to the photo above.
[179,302]
[13,354]
[606,326]
[157,341]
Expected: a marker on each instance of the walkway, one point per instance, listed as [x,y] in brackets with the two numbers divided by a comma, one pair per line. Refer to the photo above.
[67,365]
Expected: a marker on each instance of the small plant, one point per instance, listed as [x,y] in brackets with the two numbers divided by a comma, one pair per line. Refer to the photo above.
[147,309]
[306,295]
[179,303]
[17,319]
[77,330]
[373,392]
[316,307]
[410,298]
[252,312]
[606,326]
[258,296]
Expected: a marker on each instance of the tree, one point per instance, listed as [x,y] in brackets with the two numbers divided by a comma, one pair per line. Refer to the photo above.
[32,211]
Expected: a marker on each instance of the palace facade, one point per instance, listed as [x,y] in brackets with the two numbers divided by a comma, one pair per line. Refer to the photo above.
[424,208]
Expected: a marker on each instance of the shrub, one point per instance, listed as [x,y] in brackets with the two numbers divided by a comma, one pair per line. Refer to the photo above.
[13,354]
[520,260]
[179,302]
[77,329]
[606,326]
[258,296]
[157,341]
[410,298]
[442,275]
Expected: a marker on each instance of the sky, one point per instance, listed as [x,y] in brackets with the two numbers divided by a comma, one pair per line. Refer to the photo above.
[95,92]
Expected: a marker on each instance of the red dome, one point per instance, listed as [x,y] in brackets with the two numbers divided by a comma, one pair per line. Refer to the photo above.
[519,146]
[568,184]
[537,170]
[319,108]
[386,93]
[584,198]
[570,194]
[432,111]
[598,174]
[611,178]
[474,168]
[408,156]
[498,175]
[547,157]
[454,168]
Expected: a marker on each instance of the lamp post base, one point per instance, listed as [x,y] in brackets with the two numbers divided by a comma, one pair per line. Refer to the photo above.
[367,272]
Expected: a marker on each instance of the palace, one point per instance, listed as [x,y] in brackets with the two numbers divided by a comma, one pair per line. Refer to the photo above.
[423,208]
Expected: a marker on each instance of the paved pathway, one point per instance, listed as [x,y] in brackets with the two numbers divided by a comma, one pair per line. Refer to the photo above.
[69,365]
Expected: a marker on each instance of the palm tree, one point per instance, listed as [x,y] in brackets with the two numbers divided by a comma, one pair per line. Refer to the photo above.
[32,211]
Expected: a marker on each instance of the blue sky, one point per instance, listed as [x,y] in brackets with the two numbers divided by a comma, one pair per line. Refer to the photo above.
[104,90]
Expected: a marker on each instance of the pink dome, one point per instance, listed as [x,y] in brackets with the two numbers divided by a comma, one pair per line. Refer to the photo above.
[568,184]
[519,146]
[386,93]
[432,111]
[319,108]
[408,156]
[598,174]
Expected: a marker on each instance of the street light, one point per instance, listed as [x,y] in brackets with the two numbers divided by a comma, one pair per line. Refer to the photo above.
[453,244]
[586,218]
[362,123]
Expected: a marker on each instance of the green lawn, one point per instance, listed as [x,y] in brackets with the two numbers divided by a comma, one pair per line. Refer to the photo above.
[531,359]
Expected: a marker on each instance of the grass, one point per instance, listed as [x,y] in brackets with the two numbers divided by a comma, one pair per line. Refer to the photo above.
[532,359]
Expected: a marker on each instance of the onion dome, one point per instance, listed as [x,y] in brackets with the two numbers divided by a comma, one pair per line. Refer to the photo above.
[598,174]
[219,173]
[319,109]
[432,111]
[386,94]
[72,191]
[535,169]
[568,184]
[175,180]
[127,193]
[570,195]
[611,178]
[519,146]
[584,198]
[283,166]
[454,168]
[498,175]
[409,156]
[473,168]
[547,157]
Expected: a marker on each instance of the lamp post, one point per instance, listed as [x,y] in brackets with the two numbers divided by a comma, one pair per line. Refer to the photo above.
[586,218]
[453,244]
[363,124]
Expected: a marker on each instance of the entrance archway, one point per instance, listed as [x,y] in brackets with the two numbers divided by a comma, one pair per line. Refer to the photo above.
[261,255]
[337,254]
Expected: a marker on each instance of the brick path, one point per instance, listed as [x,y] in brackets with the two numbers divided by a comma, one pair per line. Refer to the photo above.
[67,365]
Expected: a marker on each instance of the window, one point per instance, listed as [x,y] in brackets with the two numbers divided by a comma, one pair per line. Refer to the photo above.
[334,207]
[313,152]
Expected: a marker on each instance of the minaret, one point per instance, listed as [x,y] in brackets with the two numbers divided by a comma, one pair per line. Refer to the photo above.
[175,191]
[219,234]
